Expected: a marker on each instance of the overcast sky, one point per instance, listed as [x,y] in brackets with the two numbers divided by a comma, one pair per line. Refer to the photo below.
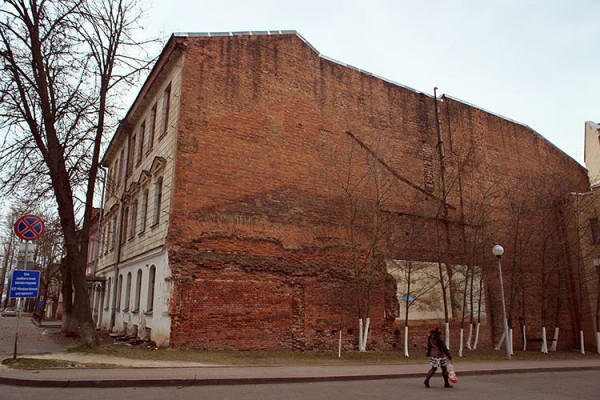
[535,62]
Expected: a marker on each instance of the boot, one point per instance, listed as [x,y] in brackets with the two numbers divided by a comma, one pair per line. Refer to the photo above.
[429,375]
[445,375]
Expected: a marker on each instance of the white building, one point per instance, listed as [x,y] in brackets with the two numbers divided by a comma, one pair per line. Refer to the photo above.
[132,257]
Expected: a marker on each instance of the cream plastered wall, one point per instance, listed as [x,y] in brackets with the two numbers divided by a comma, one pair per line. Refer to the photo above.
[426,299]
[146,247]
[592,151]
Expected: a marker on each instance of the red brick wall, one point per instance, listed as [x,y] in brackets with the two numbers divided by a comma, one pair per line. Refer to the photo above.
[259,242]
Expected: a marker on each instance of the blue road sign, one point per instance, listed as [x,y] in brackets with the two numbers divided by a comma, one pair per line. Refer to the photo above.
[25,284]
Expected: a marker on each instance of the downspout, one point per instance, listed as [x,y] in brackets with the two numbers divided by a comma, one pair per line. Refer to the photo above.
[99,236]
[119,232]
[442,156]
[98,247]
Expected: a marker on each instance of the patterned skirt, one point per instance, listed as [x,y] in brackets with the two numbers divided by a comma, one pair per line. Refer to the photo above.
[437,362]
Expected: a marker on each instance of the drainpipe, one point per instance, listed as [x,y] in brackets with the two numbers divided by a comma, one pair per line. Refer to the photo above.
[97,292]
[442,156]
[99,236]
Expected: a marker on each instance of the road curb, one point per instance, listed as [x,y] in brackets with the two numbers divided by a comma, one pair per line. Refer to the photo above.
[155,382]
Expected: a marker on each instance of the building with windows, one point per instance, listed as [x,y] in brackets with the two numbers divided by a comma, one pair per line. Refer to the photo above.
[258,194]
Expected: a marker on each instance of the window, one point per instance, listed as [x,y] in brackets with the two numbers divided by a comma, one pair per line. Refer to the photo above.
[595,225]
[151,129]
[120,170]
[158,187]
[144,211]
[113,233]
[119,292]
[151,279]
[166,106]
[134,210]
[124,224]
[140,148]
[138,291]
[108,233]
[110,180]
[104,244]
[107,298]
[127,291]
[131,154]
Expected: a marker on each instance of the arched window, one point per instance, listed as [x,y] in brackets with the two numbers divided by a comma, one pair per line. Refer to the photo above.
[119,292]
[151,282]
[138,291]
[158,188]
[127,291]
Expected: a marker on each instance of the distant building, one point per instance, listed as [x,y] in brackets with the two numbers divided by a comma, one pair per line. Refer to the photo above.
[263,196]
[592,151]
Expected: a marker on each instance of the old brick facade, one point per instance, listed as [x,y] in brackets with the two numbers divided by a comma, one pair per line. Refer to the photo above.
[287,169]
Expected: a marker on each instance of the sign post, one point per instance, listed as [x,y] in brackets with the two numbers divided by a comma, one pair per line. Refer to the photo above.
[24,283]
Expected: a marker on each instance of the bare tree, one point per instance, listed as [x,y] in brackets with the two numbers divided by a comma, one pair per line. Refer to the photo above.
[60,63]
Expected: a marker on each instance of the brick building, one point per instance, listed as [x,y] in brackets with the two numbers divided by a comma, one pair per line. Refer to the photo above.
[260,195]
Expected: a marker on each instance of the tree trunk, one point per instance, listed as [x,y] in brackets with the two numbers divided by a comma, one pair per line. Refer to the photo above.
[544,341]
[67,295]
[406,342]
[499,345]
[555,341]
[476,336]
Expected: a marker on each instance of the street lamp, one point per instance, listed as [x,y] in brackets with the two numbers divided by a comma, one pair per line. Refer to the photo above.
[498,251]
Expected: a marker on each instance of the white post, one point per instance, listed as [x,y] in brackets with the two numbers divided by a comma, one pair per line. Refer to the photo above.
[510,341]
[448,335]
[581,343]
[340,345]
[524,338]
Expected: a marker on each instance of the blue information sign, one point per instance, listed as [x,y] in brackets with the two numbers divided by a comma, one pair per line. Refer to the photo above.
[25,284]
[410,299]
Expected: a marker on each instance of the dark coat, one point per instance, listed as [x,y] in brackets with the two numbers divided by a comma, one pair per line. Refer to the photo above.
[436,347]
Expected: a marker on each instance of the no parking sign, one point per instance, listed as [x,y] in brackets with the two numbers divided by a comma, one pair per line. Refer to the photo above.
[29,227]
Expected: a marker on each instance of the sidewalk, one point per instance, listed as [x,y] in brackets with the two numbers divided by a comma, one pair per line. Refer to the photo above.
[242,375]
[35,342]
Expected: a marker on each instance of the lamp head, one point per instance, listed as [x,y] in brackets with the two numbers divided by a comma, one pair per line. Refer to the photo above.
[498,250]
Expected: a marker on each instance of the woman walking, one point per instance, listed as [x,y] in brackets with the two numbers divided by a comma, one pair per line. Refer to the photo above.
[437,353]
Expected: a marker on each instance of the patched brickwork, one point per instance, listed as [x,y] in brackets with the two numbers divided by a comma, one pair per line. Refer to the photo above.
[272,136]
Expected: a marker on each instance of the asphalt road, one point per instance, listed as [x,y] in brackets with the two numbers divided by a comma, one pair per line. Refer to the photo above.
[580,385]
[32,340]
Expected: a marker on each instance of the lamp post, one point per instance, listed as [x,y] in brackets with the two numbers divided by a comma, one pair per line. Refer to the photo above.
[498,251]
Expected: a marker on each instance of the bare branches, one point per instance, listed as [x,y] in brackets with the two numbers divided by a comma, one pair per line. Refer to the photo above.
[59,63]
